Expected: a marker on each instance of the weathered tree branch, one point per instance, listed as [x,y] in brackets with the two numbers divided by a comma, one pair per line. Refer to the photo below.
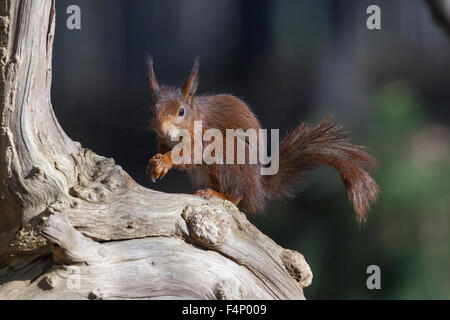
[74,225]
[440,9]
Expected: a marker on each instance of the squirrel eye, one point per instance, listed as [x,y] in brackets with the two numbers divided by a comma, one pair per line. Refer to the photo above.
[181,112]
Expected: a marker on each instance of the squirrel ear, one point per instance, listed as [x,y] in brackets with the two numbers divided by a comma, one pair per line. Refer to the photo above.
[190,87]
[153,83]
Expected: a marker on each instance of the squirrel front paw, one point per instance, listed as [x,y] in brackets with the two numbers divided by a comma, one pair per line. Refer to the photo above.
[158,166]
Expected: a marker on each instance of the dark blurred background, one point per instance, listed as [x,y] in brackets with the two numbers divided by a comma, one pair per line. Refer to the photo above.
[291,61]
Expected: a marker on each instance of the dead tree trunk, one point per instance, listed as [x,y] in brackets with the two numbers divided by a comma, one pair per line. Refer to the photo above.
[74,225]
[440,11]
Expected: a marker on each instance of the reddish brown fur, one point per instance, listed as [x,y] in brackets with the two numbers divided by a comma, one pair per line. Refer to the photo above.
[308,146]
[303,149]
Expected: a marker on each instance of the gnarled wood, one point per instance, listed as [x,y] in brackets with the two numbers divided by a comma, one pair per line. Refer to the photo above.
[440,11]
[74,225]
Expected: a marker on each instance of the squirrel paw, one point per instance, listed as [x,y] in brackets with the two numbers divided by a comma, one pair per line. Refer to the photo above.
[158,166]
[209,193]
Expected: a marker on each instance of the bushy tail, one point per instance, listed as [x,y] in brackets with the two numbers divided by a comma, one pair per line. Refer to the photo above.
[309,146]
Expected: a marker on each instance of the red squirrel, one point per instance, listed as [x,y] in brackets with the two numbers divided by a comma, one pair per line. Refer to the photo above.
[304,148]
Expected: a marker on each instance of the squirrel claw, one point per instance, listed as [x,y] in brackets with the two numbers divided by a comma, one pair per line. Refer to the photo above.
[158,166]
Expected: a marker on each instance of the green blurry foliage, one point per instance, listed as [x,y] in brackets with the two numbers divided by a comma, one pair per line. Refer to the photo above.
[412,217]
[407,233]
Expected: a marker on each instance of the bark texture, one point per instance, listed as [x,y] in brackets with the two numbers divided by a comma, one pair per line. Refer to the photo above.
[74,225]
[440,10]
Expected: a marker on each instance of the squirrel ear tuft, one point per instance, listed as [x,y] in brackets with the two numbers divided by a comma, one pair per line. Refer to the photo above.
[190,87]
[153,83]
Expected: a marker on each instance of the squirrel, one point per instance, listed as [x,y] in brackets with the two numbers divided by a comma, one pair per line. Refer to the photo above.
[303,149]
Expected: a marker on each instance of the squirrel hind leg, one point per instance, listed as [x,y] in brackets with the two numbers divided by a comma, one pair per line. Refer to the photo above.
[209,193]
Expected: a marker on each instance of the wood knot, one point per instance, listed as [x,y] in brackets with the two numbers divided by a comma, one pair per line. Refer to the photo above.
[207,224]
[95,294]
[47,283]
[297,266]
[35,173]
[4,22]
[101,179]
[57,206]
[227,290]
